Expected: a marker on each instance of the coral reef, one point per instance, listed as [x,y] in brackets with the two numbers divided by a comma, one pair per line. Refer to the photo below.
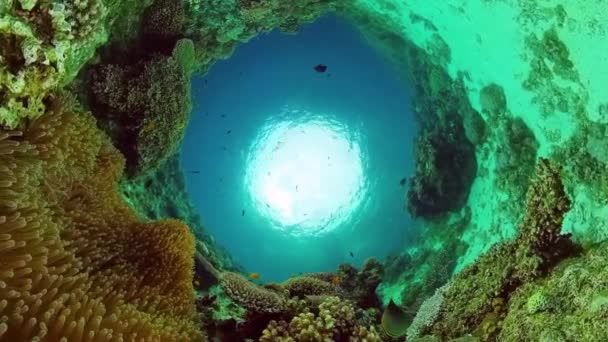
[43,45]
[217,26]
[360,285]
[251,296]
[570,304]
[310,307]
[151,103]
[495,275]
[76,259]
[335,321]
[161,195]
[445,156]
[308,286]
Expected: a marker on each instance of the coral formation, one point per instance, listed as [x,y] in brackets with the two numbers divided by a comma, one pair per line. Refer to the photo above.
[76,260]
[495,275]
[335,321]
[152,103]
[251,296]
[161,195]
[360,285]
[306,286]
[217,26]
[445,157]
[43,45]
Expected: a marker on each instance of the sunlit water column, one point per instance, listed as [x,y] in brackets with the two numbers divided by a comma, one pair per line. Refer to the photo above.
[306,172]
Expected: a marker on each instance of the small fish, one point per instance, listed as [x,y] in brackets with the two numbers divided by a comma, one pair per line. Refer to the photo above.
[335,280]
[229,131]
[402,181]
[296,188]
[196,282]
[320,68]
[268,205]
[223,115]
[195,172]
[243,212]
[269,173]
[254,276]
[352,255]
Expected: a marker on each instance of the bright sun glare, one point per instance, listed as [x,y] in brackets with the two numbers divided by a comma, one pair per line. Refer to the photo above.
[307,176]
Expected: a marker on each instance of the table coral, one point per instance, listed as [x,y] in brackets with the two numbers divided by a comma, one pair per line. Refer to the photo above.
[251,296]
[76,261]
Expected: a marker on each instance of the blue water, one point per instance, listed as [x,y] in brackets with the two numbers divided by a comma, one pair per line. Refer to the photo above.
[271,79]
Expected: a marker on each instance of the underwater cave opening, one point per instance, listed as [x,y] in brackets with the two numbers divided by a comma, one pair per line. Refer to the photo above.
[296,148]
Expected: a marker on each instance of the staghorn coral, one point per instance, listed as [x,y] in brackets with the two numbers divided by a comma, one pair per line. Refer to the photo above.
[77,262]
[537,247]
[251,296]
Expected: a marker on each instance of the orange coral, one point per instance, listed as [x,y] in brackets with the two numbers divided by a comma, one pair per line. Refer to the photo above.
[77,263]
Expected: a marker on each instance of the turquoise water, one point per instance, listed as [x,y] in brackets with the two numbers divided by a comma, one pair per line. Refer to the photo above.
[293,170]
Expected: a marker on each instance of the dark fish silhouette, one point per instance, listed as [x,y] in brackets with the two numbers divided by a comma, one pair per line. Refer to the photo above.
[195,171]
[352,255]
[402,181]
[320,68]
[296,188]
[243,212]
[223,115]
[229,131]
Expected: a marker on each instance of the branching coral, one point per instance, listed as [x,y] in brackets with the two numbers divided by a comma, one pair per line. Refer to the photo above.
[335,321]
[76,261]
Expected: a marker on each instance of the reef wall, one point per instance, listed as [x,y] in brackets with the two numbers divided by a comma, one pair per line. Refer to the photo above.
[499,83]
[533,71]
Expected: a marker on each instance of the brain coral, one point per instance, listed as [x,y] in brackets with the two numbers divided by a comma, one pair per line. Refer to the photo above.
[77,263]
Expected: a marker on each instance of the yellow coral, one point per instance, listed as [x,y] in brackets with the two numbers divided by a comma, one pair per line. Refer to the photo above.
[77,264]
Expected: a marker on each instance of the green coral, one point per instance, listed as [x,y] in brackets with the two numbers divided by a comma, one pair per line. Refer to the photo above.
[495,275]
[43,46]
[537,302]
